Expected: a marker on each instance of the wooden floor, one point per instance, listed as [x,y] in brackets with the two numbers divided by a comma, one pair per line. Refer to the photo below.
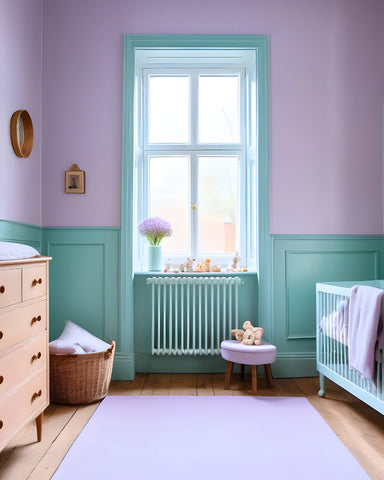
[358,426]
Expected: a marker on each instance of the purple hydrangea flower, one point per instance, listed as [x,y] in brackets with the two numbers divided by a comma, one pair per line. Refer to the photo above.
[154,229]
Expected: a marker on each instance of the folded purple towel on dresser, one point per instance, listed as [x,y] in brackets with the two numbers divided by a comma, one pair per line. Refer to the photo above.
[364,313]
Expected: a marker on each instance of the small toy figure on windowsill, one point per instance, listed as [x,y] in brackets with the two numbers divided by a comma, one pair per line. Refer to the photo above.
[189,264]
[234,266]
[204,266]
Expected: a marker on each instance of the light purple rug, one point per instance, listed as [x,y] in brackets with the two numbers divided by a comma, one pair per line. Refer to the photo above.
[185,438]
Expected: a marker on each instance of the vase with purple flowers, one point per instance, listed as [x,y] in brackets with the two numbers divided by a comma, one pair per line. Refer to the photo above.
[154,229]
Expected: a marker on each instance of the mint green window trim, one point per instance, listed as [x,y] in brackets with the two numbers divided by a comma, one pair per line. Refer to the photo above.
[260,134]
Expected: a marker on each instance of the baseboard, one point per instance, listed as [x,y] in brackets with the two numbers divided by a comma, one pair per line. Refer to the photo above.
[147,363]
[123,367]
[286,365]
[294,365]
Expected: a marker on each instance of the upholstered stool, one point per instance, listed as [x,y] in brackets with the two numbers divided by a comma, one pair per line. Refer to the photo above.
[235,352]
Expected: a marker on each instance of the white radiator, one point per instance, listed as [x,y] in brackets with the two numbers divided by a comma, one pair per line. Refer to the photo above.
[192,315]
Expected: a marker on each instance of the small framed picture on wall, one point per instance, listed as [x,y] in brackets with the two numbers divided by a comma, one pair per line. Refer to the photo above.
[74,180]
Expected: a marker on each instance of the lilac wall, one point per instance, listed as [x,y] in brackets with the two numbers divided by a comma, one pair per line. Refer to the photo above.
[327,86]
[20,88]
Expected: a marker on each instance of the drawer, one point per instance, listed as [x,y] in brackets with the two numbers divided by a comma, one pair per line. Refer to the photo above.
[10,286]
[26,403]
[21,323]
[22,362]
[34,281]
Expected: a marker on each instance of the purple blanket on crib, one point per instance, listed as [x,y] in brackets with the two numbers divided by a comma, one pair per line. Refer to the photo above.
[364,312]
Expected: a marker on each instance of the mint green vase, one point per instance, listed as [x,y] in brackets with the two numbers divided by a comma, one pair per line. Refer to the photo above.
[154,258]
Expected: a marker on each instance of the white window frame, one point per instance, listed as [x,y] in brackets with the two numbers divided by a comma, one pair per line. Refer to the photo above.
[148,62]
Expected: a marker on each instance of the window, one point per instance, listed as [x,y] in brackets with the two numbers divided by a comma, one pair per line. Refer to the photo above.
[140,51]
[194,151]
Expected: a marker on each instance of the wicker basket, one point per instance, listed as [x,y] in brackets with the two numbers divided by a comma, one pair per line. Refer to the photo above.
[80,379]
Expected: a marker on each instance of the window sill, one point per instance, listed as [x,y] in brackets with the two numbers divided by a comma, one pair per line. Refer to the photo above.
[194,274]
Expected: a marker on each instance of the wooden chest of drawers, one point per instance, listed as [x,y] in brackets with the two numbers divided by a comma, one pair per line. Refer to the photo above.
[24,375]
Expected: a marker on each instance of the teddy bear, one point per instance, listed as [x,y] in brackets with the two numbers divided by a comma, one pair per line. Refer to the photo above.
[169,269]
[250,335]
[235,261]
[188,265]
[203,266]
[234,265]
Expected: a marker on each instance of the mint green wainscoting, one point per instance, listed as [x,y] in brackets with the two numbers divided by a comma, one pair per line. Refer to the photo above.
[84,286]
[21,233]
[146,362]
[299,262]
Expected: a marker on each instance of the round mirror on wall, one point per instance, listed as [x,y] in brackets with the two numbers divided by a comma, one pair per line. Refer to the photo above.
[22,133]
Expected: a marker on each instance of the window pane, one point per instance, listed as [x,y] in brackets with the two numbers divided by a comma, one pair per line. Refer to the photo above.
[168,109]
[169,198]
[219,110]
[218,204]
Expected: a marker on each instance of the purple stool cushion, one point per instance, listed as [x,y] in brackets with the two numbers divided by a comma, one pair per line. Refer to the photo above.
[236,352]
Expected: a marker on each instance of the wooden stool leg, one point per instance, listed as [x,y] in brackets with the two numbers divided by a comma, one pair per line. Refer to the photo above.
[242,371]
[254,379]
[268,373]
[39,426]
[228,374]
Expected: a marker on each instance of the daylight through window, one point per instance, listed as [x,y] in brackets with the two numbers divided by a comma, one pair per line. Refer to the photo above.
[193,154]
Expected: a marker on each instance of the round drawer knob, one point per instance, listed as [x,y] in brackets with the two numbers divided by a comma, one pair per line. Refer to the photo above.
[2,289]
[1,423]
[1,379]
[1,335]
[36,319]
[37,282]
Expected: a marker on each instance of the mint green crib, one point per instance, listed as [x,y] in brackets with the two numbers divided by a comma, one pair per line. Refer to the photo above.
[332,353]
